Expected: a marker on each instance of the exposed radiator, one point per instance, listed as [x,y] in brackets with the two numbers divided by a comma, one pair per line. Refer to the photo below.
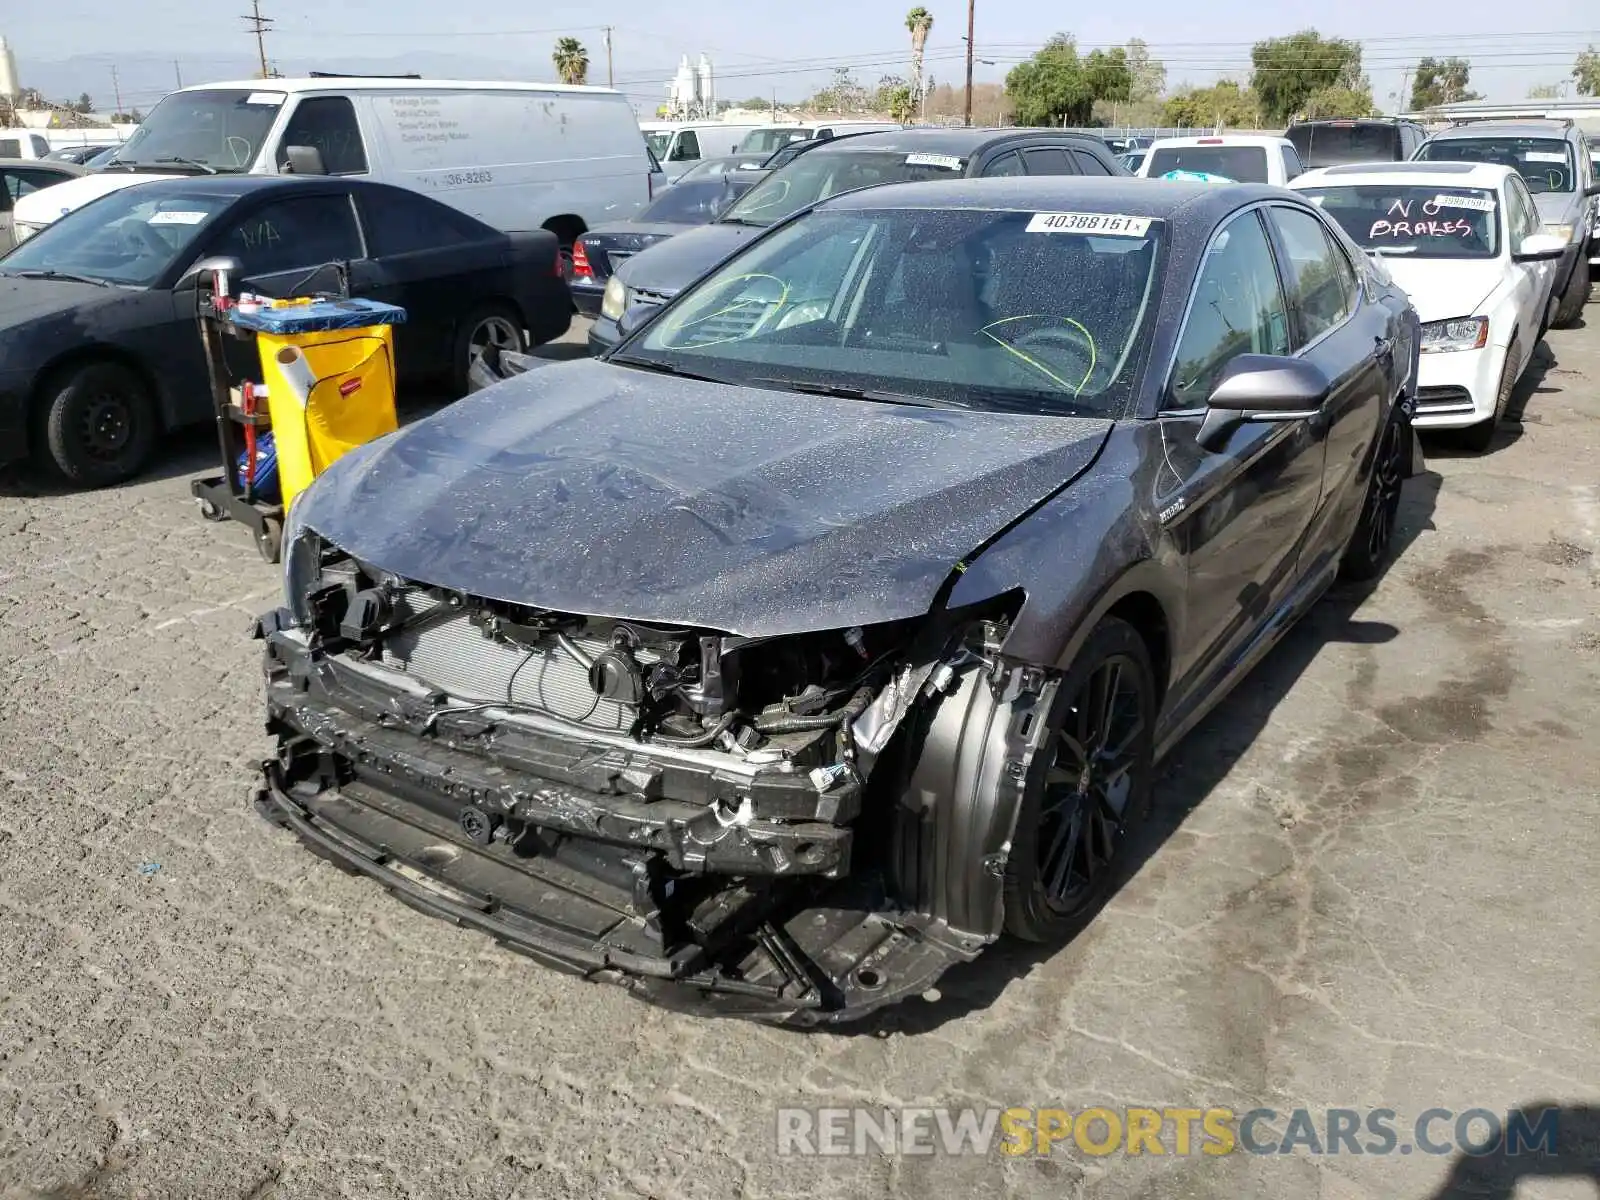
[452,654]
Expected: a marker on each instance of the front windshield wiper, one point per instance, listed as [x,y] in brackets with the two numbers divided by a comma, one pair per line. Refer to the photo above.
[68,276]
[171,160]
[854,393]
[186,162]
[742,221]
[664,368]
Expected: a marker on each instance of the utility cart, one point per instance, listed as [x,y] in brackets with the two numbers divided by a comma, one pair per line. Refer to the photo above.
[328,386]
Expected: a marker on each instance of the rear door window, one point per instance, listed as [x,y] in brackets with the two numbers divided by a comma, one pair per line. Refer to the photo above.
[1009,163]
[329,124]
[1048,160]
[1088,164]
[401,222]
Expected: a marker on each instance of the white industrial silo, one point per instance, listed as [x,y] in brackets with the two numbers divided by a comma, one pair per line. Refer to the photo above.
[708,93]
[10,86]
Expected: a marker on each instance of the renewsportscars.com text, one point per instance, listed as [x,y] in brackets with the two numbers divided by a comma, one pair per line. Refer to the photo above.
[1477,1132]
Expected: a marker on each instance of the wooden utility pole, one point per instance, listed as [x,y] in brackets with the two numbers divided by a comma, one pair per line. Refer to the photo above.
[611,79]
[116,88]
[177,72]
[259,26]
[971,15]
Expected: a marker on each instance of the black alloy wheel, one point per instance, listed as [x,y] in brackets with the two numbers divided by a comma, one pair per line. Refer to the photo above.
[1380,513]
[1092,793]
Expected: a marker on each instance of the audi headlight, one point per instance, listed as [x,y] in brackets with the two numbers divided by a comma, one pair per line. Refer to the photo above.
[615,301]
[1564,232]
[1465,333]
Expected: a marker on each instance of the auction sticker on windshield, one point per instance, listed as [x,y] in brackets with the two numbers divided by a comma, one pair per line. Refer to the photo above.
[1105,224]
[1475,203]
[177,218]
[272,99]
[1544,156]
[948,161]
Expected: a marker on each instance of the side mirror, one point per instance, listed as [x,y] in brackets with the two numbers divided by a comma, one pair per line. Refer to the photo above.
[1261,387]
[1540,247]
[302,160]
[1592,190]
[220,269]
[636,318]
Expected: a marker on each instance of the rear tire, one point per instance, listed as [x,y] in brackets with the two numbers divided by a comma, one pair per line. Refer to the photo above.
[1092,792]
[498,325]
[100,424]
[1579,288]
[1478,438]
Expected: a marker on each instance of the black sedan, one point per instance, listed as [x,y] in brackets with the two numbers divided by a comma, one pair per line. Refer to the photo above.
[833,626]
[99,352]
[687,203]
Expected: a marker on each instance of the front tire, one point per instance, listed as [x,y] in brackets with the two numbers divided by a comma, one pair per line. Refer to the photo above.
[1478,438]
[1092,793]
[1373,539]
[100,424]
[497,325]
[1579,288]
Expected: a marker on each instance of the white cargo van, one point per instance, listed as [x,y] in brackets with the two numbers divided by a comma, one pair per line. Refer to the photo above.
[519,156]
[680,144]
[23,143]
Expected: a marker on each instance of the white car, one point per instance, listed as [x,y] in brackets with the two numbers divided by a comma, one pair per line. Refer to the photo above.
[1240,157]
[1465,242]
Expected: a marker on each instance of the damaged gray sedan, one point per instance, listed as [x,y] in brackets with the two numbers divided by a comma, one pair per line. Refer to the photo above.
[832,627]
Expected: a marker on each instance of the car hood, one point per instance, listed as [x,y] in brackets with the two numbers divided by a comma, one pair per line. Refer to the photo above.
[598,489]
[1442,288]
[26,300]
[672,265]
[1557,208]
[57,200]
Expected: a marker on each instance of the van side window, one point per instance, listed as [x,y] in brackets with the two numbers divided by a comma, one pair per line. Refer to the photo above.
[329,124]
[41,148]
[687,148]
[10,148]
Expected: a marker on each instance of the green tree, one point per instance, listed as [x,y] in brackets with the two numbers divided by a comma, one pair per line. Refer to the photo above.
[1223,105]
[1441,81]
[1545,91]
[1587,72]
[845,94]
[84,104]
[920,22]
[1289,70]
[1338,102]
[1056,87]
[571,61]
[1148,75]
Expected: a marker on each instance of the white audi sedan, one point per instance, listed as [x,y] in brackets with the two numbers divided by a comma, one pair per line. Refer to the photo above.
[1465,242]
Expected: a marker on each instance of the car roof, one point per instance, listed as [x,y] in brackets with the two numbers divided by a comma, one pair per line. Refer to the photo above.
[386,83]
[1451,174]
[233,186]
[961,140]
[50,164]
[1161,199]
[1481,129]
[1352,121]
[1223,139]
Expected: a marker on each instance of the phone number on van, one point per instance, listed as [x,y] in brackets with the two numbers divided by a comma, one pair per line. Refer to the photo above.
[461,178]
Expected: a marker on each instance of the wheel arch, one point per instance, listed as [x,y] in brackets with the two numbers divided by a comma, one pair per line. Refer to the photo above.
[83,356]
[568,227]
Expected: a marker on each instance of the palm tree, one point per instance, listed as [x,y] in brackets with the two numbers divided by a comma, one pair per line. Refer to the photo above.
[571,60]
[920,22]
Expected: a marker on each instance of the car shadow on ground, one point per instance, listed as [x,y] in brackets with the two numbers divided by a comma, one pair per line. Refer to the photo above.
[1191,773]
[1495,1176]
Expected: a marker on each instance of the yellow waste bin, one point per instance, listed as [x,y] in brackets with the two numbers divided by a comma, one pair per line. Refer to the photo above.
[329,371]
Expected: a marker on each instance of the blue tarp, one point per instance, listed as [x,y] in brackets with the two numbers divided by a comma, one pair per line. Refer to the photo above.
[319,316]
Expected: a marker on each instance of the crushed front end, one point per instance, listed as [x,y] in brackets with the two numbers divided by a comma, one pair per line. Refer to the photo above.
[797,829]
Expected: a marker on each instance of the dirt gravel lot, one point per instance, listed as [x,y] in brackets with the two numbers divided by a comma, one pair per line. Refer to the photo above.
[1372,883]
